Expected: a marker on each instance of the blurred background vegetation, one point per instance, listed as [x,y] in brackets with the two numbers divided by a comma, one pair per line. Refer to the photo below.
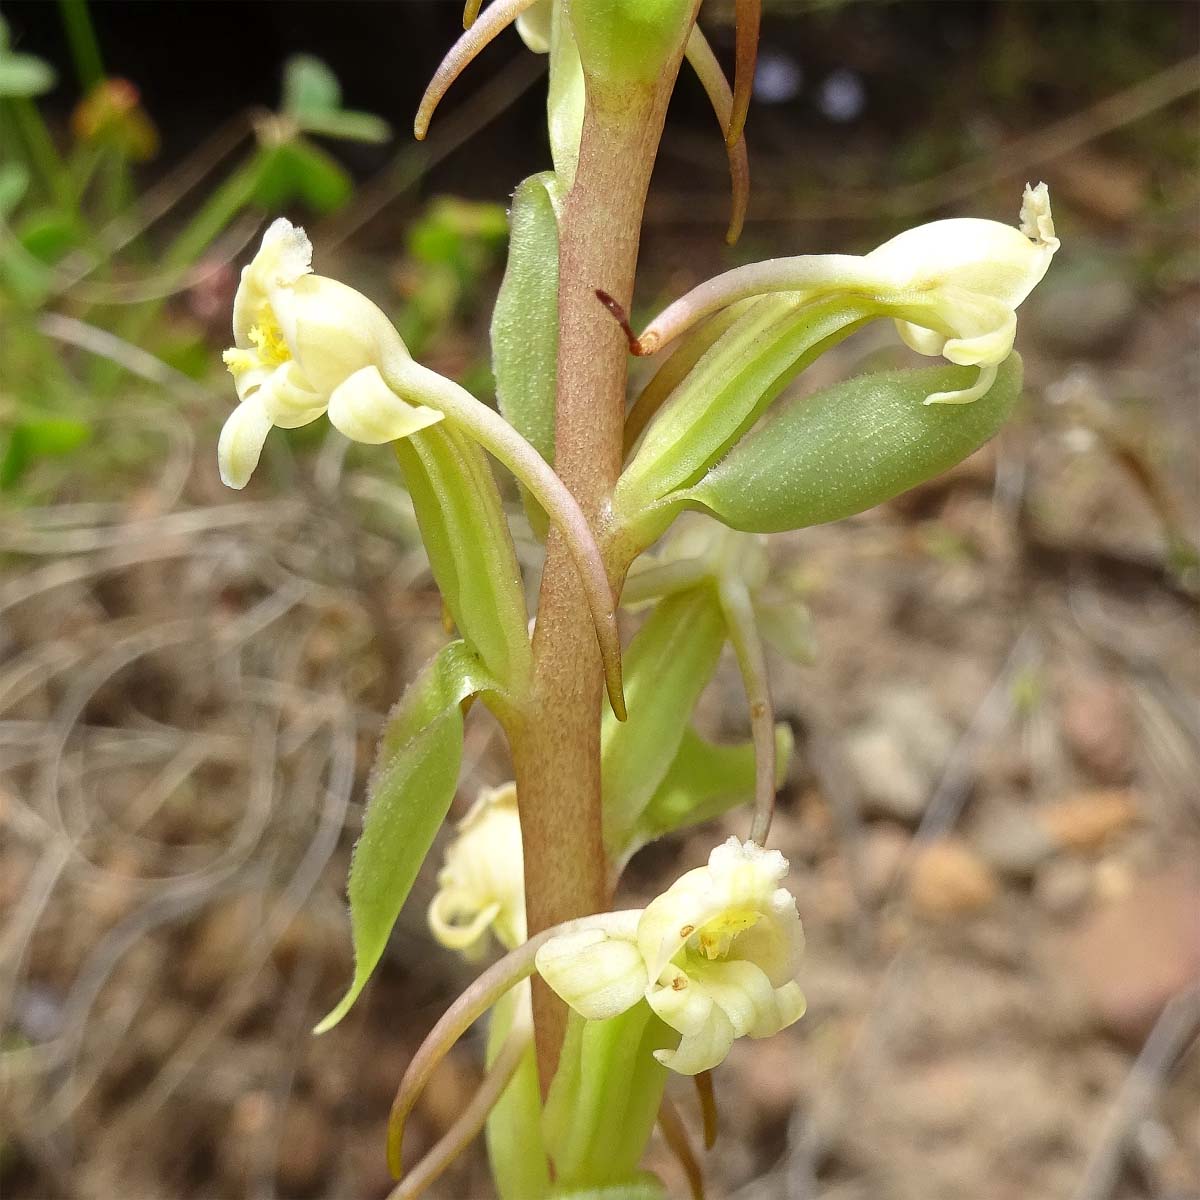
[993,818]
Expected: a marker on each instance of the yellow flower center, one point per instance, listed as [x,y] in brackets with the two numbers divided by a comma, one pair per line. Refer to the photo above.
[717,936]
[268,339]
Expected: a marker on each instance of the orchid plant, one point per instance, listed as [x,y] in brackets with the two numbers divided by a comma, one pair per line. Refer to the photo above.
[660,506]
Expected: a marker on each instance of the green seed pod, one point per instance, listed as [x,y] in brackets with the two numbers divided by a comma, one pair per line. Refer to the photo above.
[850,447]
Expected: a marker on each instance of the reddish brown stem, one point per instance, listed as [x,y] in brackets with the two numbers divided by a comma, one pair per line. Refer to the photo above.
[556,755]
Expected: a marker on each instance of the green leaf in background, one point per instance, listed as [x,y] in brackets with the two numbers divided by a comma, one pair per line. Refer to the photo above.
[347,126]
[412,784]
[668,664]
[37,438]
[14,183]
[705,779]
[49,233]
[312,97]
[309,86]
[295,170]
[852,446]
[21,74]
[470,548]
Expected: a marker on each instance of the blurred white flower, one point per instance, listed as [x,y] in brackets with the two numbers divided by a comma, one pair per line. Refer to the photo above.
[715,956]
[305,344]
[481,885]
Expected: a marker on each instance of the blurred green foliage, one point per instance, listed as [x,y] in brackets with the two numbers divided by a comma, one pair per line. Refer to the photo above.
[75,240]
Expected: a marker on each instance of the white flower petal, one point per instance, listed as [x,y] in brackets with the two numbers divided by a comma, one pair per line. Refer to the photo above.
[920,339]
[366,410]
[241,442]
[701,1051]
[284,256]
[597,974]
[288,400]
[680,1002]
[791,1004]
[742,991]
[737,885]
[333,330]
[446,913]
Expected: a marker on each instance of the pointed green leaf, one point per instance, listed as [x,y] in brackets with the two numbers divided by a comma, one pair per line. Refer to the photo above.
[411,787]
[705,780]
[667,666]
[525,321]
[298,170]
[853,446]
[470,547]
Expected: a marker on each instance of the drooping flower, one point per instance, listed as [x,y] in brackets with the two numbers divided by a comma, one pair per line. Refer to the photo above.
[953,287]
[481,885]
[715,956]
[303,345]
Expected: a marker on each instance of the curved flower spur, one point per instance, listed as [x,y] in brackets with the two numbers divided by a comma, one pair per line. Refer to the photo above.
[952,287]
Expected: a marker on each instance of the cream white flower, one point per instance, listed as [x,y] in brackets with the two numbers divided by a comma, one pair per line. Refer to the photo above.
[716,956]
[952,286]
[481,885]
[304,345]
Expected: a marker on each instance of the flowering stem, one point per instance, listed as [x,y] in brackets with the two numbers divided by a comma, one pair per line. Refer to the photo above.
[556,755]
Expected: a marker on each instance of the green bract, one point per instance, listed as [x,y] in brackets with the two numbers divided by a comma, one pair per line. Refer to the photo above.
[525,320]
[850,447]
[667,666]
[604,1102]
[470,548]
